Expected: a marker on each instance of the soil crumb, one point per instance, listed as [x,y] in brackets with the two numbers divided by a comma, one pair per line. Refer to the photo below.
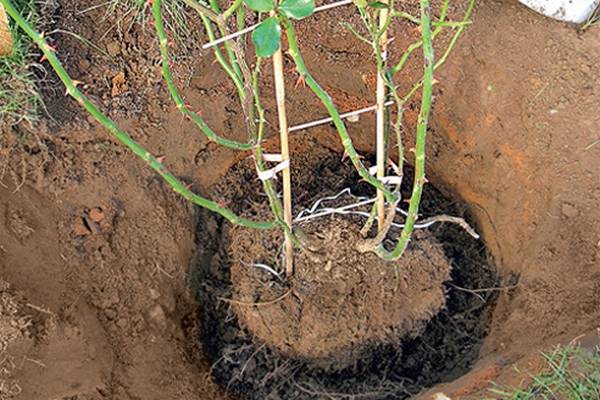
[340,301]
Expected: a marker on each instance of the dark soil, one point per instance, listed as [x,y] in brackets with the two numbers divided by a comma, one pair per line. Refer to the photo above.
[345,325]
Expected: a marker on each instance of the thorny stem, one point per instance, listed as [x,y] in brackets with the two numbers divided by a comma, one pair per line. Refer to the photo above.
[400,102]
[274,201]
[398,67]
[172,88]
[250,98]
[214,15]
[333,112]
[242,76]
[221,58]
[419,179]
[461,27]
[232,9]
[214,5]
[123,137]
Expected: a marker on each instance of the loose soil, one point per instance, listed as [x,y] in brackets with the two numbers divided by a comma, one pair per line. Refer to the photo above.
[96,251]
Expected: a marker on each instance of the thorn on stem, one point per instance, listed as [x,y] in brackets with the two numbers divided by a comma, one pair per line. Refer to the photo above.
[49,48]
[300,82]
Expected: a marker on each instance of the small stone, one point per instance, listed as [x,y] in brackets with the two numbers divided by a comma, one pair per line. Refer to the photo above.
[110,313]
[79,228]
[122,323]
[119,84]
[96,214]
[569,210]
[84,64]
[158,317]
[154,294]
[113,48]
[70,331]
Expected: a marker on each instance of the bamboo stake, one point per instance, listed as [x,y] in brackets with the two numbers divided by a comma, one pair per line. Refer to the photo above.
[285,156]
[380,128]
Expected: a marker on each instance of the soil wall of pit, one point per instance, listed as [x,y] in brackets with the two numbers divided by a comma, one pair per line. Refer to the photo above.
[515,119]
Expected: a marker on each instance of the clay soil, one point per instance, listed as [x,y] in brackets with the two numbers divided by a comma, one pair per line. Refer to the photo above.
[96,253]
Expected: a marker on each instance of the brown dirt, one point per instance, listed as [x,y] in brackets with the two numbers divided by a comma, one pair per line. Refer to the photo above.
[513,126]
[340,301]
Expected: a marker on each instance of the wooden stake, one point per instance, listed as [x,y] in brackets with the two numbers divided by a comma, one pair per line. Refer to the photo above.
[6,43]
[380,110]
[285,155]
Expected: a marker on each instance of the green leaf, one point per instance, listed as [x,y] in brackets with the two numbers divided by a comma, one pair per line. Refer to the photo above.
[266,37]
[378,4]
[297,9]
[360,3]
[260,5]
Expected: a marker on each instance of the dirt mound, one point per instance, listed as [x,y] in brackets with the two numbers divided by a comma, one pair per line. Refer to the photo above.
[339,300]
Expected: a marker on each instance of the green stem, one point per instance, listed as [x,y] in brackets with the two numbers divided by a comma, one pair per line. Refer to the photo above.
[232,9]
[214,4]
[419,180]
[172,88]
[214,13]
[398,67]
[334,114]
[120,135]
[465,22]
[221,58]
[240,74]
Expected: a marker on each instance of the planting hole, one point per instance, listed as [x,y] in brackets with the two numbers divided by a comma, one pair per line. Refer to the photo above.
[347,324]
